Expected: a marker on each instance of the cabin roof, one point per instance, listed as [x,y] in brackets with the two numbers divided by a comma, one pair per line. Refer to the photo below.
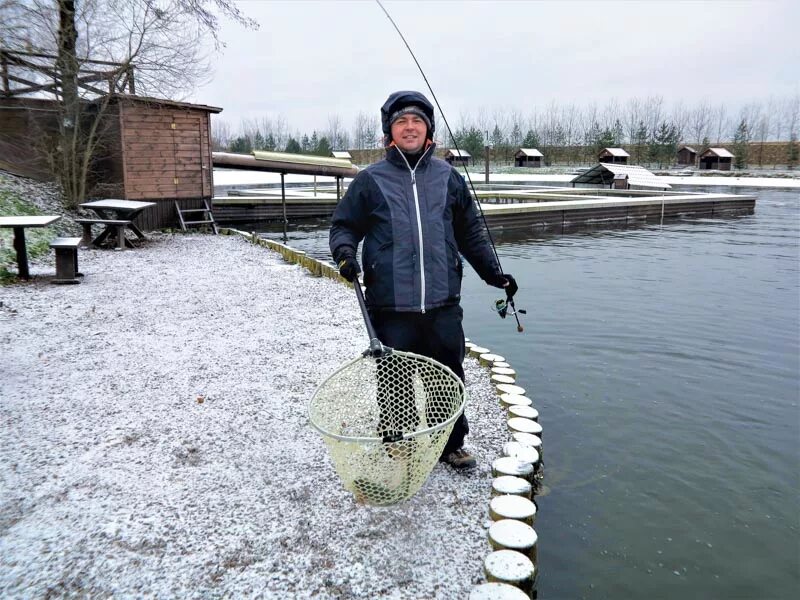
[720,152]
[458,153]
[616,151]
[530,152]
[605,172]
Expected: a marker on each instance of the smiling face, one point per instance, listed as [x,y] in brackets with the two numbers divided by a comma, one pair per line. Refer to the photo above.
[409,133]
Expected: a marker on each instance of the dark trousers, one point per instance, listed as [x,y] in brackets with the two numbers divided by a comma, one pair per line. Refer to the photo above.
[437,334]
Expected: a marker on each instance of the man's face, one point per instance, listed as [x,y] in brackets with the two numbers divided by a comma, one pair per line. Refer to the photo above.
[408,133]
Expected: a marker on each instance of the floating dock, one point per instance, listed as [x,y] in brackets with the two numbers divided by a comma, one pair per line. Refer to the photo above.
[549,208]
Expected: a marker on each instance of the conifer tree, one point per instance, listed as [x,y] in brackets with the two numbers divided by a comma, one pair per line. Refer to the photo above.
[293,146]
[741,140]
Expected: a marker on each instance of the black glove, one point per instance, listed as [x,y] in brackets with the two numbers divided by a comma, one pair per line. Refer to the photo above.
[507,283]
[349,267]
[512,286]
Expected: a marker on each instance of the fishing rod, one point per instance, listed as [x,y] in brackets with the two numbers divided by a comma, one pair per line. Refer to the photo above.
[502,313]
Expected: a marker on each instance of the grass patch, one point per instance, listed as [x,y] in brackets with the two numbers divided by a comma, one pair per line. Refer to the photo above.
[37,240]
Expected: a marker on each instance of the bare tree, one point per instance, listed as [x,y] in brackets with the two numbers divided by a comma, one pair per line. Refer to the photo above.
[220,135]
[364,130]
[700,122]
[679,115]
[632,118]
[721,122]
[653,113]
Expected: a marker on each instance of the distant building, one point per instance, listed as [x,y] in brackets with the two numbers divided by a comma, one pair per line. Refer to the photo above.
[458,157]
[716,158]
[687,156]
[620,177]
[613,155]
[528,157]
[341,154]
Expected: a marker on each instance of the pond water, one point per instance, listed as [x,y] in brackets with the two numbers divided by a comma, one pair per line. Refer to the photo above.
[665,363]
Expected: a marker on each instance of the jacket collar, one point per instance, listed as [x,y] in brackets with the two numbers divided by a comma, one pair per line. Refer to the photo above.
[394,156]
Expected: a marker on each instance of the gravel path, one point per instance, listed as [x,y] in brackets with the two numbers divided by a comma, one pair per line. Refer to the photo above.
[116,481]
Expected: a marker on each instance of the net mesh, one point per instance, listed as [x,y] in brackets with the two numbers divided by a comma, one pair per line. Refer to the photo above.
[385,421]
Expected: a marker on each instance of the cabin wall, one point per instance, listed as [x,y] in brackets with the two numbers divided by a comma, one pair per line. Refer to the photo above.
[166,157]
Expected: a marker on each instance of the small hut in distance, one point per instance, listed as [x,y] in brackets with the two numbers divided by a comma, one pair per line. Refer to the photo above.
[716,158]
[458,157]
[687,156]
[528,157]
[613,155]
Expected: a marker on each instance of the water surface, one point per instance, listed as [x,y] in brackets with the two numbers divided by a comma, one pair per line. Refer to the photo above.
[665,364]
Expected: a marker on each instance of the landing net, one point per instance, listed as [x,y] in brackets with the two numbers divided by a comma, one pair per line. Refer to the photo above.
[385,421]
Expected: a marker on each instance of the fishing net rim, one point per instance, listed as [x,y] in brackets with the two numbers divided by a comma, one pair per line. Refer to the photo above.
[406,436]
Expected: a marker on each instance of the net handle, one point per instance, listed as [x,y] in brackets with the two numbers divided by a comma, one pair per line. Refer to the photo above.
[375,347]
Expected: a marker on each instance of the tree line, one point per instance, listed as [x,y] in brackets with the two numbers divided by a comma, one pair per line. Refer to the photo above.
[563,132]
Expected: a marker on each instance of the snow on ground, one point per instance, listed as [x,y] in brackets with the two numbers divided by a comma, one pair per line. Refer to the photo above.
[116,481]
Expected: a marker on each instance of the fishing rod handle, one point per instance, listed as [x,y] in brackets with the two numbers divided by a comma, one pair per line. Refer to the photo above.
[374,343]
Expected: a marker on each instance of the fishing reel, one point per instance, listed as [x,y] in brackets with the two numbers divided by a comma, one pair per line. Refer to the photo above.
[505,307]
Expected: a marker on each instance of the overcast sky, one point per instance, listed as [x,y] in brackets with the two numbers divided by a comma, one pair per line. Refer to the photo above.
[310,59]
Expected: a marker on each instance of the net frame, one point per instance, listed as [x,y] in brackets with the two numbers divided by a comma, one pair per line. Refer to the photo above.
[412,453]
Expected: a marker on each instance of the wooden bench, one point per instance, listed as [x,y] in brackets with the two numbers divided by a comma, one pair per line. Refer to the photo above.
[66,259]
[111,225]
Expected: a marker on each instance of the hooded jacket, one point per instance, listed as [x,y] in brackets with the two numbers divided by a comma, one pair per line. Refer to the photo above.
[414,222]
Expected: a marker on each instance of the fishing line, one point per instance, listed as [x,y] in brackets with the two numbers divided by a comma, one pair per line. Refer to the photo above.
[455,143]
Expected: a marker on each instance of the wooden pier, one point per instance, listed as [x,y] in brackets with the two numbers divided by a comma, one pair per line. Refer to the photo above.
[550,208]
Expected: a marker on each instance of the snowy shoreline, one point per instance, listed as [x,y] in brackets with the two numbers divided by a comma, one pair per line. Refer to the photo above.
[117,480]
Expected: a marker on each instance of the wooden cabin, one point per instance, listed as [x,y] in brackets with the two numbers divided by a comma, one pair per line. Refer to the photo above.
[528,157]
[687,156]
[152,150]
[158,151]
[719,159]
[458,157]
[613,155]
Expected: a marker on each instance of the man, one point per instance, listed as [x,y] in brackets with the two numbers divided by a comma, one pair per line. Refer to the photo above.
[415,215]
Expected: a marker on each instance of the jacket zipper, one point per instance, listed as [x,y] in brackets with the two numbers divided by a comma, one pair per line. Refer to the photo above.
[419,229]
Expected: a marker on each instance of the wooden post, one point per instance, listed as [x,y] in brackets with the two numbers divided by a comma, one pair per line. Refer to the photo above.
[510,567]
[283,202]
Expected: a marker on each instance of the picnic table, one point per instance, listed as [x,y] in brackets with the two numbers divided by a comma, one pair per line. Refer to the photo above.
[18,224]
[115,216]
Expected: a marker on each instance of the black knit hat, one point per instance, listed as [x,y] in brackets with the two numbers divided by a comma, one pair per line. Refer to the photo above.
[399,100]
[411,109]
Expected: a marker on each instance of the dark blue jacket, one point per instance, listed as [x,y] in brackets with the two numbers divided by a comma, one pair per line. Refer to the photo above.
[412,241]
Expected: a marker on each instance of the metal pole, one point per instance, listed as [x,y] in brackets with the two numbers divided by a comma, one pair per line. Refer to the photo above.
[486,154]
[338,193]
[283,202]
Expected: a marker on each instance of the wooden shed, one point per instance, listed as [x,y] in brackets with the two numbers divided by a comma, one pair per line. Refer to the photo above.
[458,157]
[687,156]
[528,157]
[613,155]
[152,149]
[158,151]
[716,158]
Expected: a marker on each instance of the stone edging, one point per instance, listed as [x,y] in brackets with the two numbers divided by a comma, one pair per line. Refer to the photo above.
[511,566]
